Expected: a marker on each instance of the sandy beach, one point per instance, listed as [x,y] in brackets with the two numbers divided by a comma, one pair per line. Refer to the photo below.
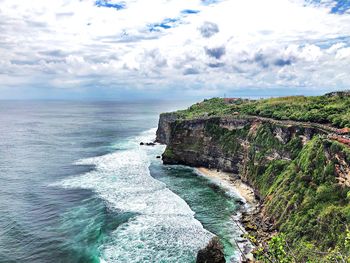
[227,181]
[242,191]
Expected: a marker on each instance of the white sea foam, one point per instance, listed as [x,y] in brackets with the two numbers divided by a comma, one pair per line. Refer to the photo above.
[164,228]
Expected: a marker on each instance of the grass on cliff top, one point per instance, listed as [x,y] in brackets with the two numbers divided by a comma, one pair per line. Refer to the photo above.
[206,108]
[331,108]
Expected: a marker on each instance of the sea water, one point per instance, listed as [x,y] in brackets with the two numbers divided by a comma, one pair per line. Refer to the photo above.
[77,186]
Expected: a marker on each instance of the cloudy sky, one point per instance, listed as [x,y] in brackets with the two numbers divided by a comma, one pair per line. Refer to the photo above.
[173,48]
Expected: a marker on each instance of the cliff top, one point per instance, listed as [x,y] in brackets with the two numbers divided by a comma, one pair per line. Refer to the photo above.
[332,108]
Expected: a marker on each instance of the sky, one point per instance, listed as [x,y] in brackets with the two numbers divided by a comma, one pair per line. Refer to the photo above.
[87,49]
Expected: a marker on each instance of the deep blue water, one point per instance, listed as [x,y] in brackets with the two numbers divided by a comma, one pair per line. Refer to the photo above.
[76,186]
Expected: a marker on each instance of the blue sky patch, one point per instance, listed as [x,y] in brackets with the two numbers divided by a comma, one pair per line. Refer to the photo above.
[165,24]
[328,42]
[189,11]
[168,23]
[108,4]
[341,7]
[209,2]
[338,6]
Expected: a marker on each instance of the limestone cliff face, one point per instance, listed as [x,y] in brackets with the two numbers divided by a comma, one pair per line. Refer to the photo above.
[191,143]
[229,144]
[164,129]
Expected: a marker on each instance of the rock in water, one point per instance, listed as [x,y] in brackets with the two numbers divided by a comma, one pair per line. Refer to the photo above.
[212,253]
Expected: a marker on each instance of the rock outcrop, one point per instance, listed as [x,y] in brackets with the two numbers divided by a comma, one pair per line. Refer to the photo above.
[164,129]
[226,143]
[212,253]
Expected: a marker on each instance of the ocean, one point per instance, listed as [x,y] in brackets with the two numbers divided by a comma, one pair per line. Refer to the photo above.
[77,186]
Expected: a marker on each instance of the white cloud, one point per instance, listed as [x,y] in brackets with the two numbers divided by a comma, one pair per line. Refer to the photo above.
[343,54]
[230,44]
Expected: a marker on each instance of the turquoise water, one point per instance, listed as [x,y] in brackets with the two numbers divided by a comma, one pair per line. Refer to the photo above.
[78,187]
[214,207]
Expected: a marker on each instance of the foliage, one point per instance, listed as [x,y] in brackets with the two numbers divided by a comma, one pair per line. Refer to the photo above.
[304,197]
[206,108]
[276,251]
[334,110]
[297,182]
[309,206]
[228,140]
[307,202]
[168,153]
[268,178]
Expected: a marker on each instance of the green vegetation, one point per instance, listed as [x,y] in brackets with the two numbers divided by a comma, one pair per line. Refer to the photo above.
[228,140]
[327,109]
[334,110]
[308,204]
[302,194]
[168,153]
[298,179]
[206,108]
[278,250]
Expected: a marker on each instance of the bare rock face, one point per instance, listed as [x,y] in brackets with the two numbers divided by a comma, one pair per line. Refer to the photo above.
[164,130]
[228,143]
[190,143]
[212,253]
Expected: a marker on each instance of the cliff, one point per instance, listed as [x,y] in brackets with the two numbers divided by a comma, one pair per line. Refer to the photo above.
[301,176]
[164,129]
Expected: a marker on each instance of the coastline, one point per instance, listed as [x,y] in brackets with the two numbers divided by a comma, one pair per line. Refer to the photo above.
[236,185]
[252,220]
[250,205]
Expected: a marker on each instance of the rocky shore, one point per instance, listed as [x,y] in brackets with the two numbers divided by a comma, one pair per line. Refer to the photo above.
[190,145]
[212,253]
[228,181]
[255,226]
